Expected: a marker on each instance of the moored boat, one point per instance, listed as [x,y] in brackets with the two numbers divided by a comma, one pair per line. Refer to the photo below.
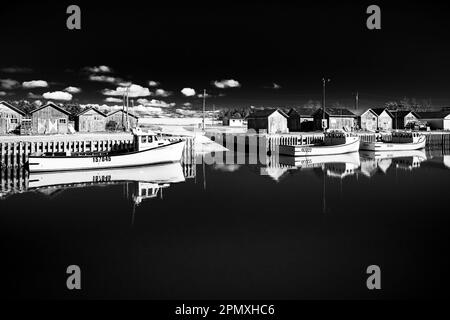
[401,141]
[148,149]
[335,142]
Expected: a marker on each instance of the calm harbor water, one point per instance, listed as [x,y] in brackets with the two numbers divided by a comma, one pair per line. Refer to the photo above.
[285,230]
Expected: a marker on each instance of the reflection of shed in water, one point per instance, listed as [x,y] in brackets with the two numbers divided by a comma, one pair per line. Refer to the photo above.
[384,164]
[339,170]
[369,166]
[407,163]
[446,161]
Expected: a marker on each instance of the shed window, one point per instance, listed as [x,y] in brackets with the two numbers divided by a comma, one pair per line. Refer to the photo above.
[14,120]
[62,120]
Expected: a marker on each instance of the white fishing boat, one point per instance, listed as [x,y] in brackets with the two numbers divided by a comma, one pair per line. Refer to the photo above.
[149,149]
[335,142]
[401,141]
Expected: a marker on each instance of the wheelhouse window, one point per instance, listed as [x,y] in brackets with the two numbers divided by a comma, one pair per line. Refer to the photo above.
[144,139]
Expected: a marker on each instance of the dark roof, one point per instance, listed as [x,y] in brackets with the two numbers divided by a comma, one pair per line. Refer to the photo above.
[403,113]
[360,112]
[337,112]
[12,107]
[433,114]
[51,104]
[302,111]
[379,111]
[120,110]
[90,108]
[264,113]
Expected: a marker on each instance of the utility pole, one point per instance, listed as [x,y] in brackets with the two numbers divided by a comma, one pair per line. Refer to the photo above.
[204,107]
[128,102]
[356,100]
[324,82]
[123,110]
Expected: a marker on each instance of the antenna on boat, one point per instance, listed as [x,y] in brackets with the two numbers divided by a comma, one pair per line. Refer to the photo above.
[204,106]
[324,82]
[123,109]
[128,101]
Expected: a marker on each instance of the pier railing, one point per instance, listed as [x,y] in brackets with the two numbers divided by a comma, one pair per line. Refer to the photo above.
[14,150]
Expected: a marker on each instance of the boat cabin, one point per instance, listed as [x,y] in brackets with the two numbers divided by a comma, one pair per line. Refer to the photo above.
[335,137]
[147,140]
[405,137]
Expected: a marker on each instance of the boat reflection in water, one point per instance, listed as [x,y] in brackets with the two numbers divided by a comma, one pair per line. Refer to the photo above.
[371,161]
[336,166]
[147,180]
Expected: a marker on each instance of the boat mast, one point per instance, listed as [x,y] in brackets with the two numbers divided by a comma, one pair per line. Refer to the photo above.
[204,106]
[324,81]
[128,101]
[123,110]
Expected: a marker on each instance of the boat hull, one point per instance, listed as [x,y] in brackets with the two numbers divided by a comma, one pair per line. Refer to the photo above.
[162,154]
[305,151]
[386,146]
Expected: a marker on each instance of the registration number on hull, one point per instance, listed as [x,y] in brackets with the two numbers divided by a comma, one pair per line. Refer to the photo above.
[306,149]
[101,159]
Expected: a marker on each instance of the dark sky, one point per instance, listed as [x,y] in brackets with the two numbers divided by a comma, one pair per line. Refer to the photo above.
[191,44]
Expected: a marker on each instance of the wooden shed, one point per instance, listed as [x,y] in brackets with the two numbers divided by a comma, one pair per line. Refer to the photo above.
[385,119]
[367,119]
[301,119]
[337,118]
[90,120]
[270,120]
[402,118]
[10,117]
[437,120]
[119,118]
[49,119]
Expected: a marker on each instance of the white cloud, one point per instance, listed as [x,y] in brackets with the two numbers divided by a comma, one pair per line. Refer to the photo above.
[276,86]
[35,84]
[134,91]
[2,93]
[188,92]
[223,84]
[153,83]
[115,100]
[58,95]
[162,93]
[37,103]
[9,84]
[34,96]
[155,103]
[73,90]
[99,69]
[108,79]
[16,70]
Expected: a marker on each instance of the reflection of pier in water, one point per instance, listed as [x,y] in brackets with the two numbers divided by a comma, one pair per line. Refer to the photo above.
[140,182]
